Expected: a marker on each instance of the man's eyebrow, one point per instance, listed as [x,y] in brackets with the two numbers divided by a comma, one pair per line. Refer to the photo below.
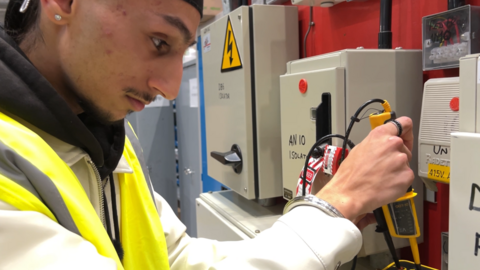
[180,25]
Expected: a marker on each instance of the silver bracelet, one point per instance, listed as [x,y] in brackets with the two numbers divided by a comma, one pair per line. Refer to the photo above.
[311,200]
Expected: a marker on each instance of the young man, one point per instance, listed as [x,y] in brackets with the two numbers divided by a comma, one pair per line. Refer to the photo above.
[74,191]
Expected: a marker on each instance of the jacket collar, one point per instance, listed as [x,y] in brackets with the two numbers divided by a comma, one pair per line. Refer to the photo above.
[70,154]
[42,107]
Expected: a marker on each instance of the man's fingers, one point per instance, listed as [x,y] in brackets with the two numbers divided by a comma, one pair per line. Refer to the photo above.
[407,130]
[407,134]
[407,152]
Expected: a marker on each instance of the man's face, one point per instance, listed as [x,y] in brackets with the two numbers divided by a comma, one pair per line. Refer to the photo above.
[117,55]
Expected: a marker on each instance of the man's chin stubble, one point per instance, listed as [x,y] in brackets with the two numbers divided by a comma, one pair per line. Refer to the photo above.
[89,106]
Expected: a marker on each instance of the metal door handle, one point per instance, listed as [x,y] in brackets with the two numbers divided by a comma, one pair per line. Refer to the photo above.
[232,158]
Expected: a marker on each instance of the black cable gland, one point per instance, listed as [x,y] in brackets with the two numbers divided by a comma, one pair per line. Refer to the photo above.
[385,40]
[455,4]
[318,152]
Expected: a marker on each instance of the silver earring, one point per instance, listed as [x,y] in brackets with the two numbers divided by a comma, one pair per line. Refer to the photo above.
[24,6]
[58,17]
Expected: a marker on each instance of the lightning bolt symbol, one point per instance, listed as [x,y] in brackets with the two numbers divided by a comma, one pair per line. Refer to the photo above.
[229,48]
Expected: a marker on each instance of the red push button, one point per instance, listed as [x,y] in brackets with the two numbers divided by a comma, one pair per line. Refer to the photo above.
[303,86]
[455,104]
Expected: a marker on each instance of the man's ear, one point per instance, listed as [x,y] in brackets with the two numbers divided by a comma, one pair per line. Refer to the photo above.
[59,11]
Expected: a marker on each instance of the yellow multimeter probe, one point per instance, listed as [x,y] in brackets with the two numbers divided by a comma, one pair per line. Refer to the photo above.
[401,215]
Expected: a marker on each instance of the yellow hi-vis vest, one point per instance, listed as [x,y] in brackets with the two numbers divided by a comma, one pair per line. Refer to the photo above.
[34,178]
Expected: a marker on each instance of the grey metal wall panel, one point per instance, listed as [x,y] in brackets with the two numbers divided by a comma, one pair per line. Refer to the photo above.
[189,157]
[154,128]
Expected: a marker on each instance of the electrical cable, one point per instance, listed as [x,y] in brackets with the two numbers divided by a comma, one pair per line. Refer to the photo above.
[354,263]
[310,24]
[382,227]
[456,30]
[355,119]
[321,141]
[369,109]
[455,3]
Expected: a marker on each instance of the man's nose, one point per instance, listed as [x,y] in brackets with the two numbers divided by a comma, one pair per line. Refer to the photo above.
[166,82]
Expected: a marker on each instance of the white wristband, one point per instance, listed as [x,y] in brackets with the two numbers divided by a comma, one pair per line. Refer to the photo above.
[313,201]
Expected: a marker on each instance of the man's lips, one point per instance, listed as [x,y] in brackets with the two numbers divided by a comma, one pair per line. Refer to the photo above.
[136,104]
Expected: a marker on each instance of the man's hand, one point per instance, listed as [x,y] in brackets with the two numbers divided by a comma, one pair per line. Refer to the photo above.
[375,173]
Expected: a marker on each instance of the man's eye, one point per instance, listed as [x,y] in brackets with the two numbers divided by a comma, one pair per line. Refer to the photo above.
[160,44]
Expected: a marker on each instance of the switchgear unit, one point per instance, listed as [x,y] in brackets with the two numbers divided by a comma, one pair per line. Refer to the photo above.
[244,53]
[319,95]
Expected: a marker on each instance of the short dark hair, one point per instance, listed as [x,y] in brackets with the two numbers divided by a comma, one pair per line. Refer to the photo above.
[18,25]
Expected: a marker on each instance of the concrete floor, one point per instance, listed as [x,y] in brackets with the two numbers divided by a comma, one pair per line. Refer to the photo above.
[362,264]
[373,262]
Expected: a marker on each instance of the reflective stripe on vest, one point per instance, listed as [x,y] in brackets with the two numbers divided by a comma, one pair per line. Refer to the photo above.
[142,233]
[132,137]
[34,178]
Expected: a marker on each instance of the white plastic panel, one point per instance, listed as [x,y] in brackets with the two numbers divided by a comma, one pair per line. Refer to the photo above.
[438,121]
[464,235]
[468,93]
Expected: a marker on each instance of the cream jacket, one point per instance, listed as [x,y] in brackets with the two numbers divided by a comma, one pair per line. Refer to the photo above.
[305,238]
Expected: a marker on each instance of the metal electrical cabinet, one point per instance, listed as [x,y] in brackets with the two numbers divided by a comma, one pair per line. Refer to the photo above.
[338,84]
[155,130]
[188,135]
[244,54]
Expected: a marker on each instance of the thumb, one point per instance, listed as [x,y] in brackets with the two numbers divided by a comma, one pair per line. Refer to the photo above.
[365,221]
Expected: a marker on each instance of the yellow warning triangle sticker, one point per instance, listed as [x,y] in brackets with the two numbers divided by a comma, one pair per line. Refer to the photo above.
[231,57]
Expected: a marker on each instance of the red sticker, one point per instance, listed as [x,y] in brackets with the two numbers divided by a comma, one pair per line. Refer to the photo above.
[314,166]
[455,104]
